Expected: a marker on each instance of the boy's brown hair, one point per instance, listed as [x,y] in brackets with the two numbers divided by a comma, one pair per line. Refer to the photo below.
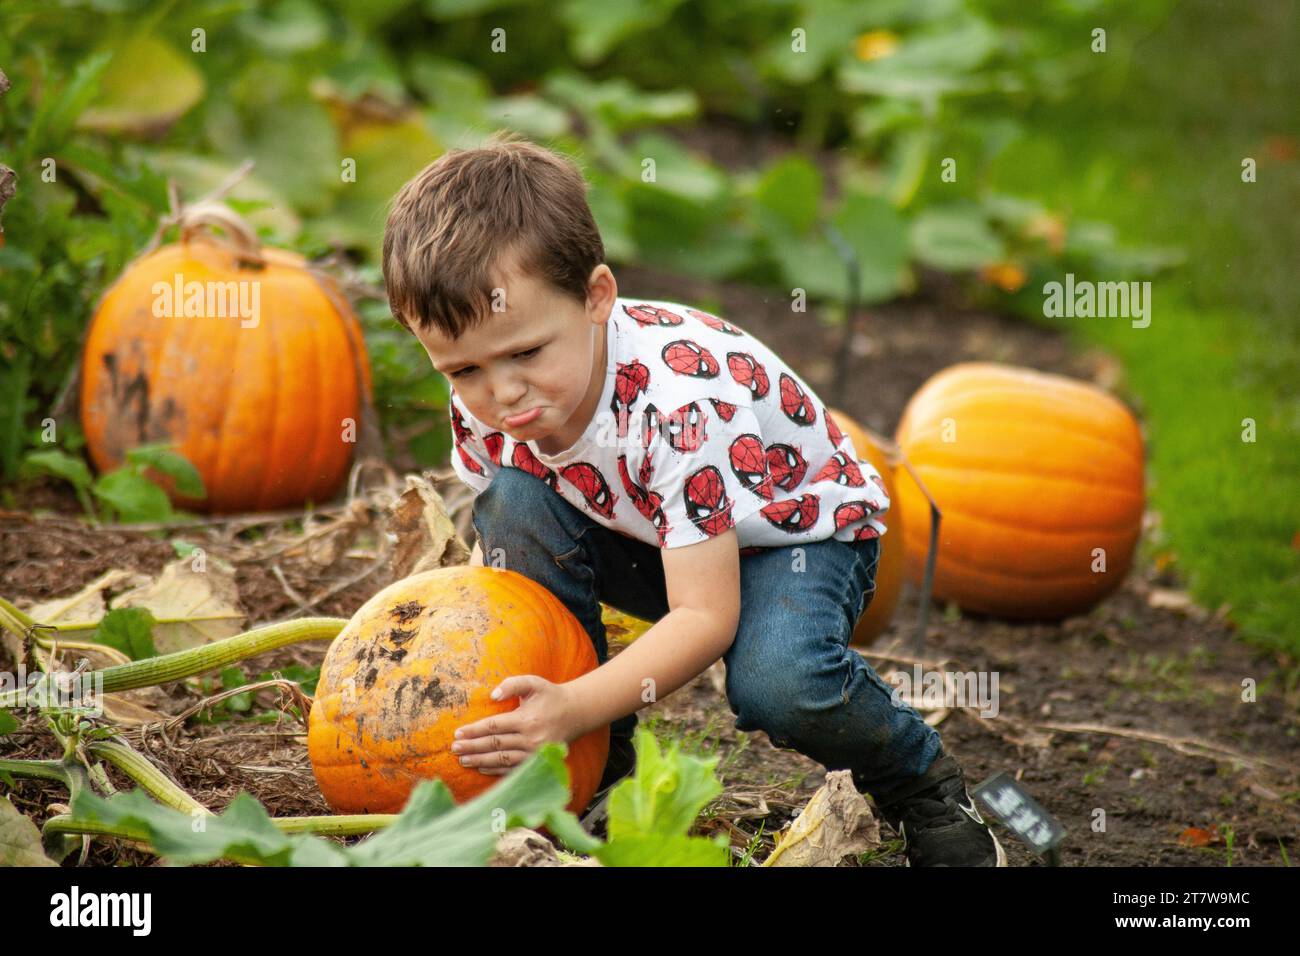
[450,227]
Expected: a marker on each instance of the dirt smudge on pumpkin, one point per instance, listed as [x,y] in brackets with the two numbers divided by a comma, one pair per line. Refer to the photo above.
[407,611]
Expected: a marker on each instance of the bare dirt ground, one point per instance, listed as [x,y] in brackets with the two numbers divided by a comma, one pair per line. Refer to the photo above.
[1135,709]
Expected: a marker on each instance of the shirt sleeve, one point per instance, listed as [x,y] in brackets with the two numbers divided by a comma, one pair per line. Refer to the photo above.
[469,457]
[703,473]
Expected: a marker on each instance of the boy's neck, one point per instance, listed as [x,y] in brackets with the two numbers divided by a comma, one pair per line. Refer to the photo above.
[572,430]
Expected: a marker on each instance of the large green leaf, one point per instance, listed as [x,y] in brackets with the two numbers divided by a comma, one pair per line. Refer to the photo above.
[791,189]
[597,26]
[20,841]
[927,64]
[872,231]
[432,830]
[132,496]
[147,85]
[955,238]
[170,462]
[619,104]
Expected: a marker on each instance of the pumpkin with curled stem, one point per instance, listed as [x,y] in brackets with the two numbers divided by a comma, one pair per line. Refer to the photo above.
[1040,479]
[247,360]
[417,661]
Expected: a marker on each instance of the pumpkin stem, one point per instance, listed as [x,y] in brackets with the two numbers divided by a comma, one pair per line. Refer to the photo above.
[239,233]
[206,657]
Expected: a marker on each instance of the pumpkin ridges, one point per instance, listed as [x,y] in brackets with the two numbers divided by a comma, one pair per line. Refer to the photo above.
[1044,471]
[482,624]
[235,479]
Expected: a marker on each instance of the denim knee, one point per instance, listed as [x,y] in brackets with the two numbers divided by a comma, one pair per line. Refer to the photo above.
[513,502]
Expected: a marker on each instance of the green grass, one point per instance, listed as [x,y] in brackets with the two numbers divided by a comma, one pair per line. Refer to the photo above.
[1155,146]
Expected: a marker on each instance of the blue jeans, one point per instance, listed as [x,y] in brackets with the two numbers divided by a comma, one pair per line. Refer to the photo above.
[790,671]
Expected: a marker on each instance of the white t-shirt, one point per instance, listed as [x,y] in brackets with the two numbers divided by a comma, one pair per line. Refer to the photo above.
[700,428]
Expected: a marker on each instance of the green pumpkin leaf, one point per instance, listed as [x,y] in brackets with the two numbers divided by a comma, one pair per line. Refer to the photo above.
[59,464]
[167,460]
[955,238]
[130,630]
[20,841]
[147,85]
[132,496]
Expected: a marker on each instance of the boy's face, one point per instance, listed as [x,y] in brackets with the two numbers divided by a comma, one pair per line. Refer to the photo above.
[537,369]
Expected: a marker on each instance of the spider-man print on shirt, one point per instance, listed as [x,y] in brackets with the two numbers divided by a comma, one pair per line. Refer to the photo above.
[796,404]
[707,503]
[647,502]
[747,371]
[650,315]
[713,322]
[749,463]
[524,458]
[714,433]
[630,383]
[842,470]
[833,429]
[685,428]
[793,516]
[587,478]
[688,357]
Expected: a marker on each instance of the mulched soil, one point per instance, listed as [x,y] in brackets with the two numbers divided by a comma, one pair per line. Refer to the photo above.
[1134,665]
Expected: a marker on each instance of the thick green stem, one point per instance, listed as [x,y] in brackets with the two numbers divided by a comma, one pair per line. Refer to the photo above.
[206,657]
[342,825]
[197,660]
[38,769]
[140,769]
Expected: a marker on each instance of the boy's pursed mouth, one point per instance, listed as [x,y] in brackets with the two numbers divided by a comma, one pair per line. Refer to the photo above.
[523,418]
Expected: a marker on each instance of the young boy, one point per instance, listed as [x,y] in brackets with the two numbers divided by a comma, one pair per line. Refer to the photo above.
[661,460]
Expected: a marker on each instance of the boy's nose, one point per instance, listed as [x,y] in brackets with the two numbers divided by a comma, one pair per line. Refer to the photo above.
[508,392]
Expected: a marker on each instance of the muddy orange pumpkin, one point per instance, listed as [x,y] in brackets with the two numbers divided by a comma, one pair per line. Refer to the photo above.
[889,570]
[417,661]
[246,359]
[1040,481]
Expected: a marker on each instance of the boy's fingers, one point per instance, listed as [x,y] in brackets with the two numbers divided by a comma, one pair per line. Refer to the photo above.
[510,759]
[514,687]
[496,724]
[487,744]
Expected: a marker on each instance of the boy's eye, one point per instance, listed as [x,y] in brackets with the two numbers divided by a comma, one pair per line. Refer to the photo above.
[472,368]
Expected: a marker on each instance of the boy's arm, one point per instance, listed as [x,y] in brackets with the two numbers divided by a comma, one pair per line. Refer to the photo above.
[703,582]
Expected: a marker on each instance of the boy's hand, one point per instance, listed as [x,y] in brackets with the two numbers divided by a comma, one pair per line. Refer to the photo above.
[497,744]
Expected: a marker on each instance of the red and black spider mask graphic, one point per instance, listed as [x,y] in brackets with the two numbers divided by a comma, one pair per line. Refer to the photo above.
[650,425]
[796,404]
[842,470]
[832,429]
[494,441]
[587,478]
[793,516]
[749,465]
[852,511]
[715,323]
[652,315]
[726,411]
[707,503]
[630,382]
[685,428]
[747,371]
[786,465]
[649,503]
[686,357]
[524,459]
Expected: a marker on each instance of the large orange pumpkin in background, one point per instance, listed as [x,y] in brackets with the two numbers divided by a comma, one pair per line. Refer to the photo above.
[258,402]
[1039,479]
[417,661]
[889,571]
